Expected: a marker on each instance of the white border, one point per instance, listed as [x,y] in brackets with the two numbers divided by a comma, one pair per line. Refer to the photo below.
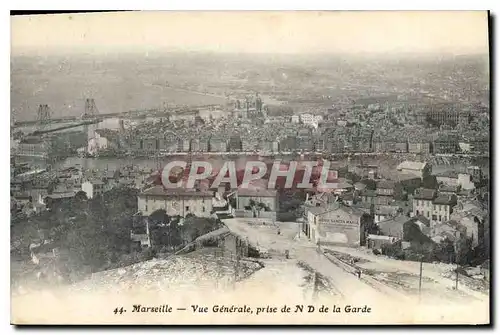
[492,5]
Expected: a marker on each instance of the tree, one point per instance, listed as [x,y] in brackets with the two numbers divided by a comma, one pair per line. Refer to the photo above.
[159,217]
[370,184]
[430,182]
[81,196]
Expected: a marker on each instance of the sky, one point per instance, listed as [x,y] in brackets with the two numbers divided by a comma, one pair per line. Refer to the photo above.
[455,32]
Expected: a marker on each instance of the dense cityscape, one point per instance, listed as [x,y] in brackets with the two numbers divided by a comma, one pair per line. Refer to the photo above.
[410,147]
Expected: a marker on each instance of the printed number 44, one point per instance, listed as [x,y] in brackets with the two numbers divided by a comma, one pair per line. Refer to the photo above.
[121,310]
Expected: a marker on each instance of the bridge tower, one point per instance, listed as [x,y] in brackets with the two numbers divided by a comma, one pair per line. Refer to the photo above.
[43,117]
[43,114]
[91,110]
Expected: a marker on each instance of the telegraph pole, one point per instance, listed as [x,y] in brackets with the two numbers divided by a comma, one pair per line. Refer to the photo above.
[315,285]
[420,279]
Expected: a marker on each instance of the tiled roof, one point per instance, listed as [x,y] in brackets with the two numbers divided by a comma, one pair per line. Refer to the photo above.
[174,192]
[386,184]
[259,192]
[445,199]
[424,194]
[447,174]
[408,165]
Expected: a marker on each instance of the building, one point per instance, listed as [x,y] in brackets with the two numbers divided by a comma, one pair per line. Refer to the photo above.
[183,145]
[34,146]
[310,119]
[446,144]
[245,197]
[396,226]
[454,179]
[168,144]
[235,143]
[217,144]
[419,147]
[140,234]
[175,201]
[378,241]
[475,172]
[448,189]
[447,113]
[93,188]
[449,178]
[442,207]
[366,171]
[199,145]
[382,213]
[368,196]
[385,192]
[418,169]
[149,145]
[337,224]
[422,202]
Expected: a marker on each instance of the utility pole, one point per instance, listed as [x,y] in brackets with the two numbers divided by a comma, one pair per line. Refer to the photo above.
[217,262]
[315,285]
[236,270]
[420,279]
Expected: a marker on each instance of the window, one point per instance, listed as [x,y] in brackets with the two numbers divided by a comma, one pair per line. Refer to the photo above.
[418,213]
[440,218]
[203,209]
[434,207]
[187,208]
[428,215]
[434,217]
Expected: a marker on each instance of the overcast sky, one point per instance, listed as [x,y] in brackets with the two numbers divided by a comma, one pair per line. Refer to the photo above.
[262,32]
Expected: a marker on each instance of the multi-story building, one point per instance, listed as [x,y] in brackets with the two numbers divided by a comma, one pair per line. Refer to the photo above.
[199,145]
[267,197]
[183,145]
[149,145]
[442,207]
[337,224]
[305,143]
[385,192]
[217,144]
[447,114]
[93,188]
[235,143]
[34,146]
[475,172]
[419,147]
[422,202]
[418,169]
[175,201]
[446,144]
[169,144]
[436,208]
[289,143]
[249,144]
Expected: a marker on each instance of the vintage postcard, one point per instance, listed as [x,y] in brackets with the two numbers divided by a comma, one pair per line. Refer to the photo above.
[260,168]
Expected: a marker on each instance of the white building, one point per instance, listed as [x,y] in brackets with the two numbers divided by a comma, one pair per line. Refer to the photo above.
[311,119]
[175,201]
[418,169]
[93,188]
[97,143]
